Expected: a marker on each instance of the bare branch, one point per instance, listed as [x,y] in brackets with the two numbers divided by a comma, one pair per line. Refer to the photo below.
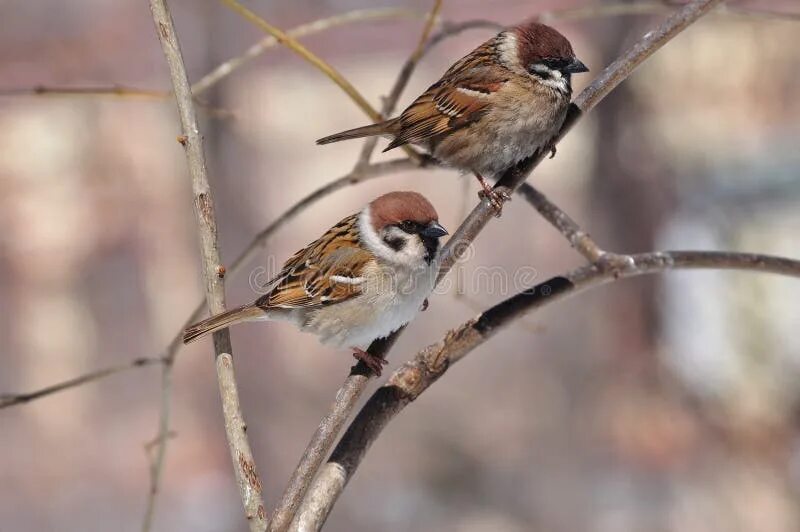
[241,455]
[325,490]
[390,101]
[11,399]
[359,15]
[316,61]
[415,376]
[559,219]
[118,91]
[160,444]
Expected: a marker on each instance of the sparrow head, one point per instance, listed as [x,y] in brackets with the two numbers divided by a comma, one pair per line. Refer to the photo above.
[541,52]
[402,227]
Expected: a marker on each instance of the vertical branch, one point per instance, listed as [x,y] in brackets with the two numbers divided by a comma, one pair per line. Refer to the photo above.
[157,465]
[243,464]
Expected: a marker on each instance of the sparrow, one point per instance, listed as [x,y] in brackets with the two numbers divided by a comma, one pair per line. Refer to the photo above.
[363,279]
[498,105]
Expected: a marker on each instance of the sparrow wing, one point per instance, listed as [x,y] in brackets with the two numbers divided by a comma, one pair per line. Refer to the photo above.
[458,99]
[329,270]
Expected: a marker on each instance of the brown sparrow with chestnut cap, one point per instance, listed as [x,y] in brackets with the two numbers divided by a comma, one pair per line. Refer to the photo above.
[366,277]
[500,104]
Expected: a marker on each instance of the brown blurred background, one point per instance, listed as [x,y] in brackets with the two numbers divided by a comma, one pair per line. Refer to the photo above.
[656,404]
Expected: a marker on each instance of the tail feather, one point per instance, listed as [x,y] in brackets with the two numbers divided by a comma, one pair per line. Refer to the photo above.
[381,128]
[220,321]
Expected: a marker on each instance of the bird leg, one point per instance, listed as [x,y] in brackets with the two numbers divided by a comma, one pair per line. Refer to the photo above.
[424,306]
[495,197]
[373,362]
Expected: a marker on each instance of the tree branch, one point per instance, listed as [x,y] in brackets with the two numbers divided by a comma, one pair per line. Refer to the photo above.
[241,455]
[415,376]
[12,399]
[325,490]
[358,15]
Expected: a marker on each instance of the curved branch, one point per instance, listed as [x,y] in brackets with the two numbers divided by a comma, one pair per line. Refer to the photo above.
[192,141]
[415,376]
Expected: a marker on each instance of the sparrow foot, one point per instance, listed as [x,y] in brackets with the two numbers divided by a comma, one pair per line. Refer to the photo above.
[424,305]
[373,362]
[551,147]
[497,197]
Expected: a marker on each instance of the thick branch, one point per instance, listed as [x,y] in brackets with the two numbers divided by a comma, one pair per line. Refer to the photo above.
[241,455]
[415,376]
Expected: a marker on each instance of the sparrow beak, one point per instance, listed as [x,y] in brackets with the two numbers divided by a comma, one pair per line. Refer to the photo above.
[434,230]
[575,67]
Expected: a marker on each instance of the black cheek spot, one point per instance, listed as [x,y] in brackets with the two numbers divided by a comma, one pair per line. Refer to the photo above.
[396,243]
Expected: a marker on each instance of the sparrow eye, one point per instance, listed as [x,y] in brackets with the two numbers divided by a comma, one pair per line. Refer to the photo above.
[555,63]
[408,226]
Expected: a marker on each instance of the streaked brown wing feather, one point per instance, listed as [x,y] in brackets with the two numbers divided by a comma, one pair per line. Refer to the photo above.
[458,99]
[305,279]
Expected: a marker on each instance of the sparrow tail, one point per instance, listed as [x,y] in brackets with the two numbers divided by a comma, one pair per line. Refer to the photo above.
[220,321]
[382,128]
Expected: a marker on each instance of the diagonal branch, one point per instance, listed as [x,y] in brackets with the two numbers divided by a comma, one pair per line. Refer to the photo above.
[12,399]
[241,455]
[416,375]
[326,489]
[225,69]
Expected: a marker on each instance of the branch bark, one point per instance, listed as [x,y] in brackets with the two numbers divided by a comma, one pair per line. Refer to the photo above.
[415,376]
[241,455]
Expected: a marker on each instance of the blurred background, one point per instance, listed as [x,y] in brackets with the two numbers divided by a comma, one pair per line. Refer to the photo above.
[665,403]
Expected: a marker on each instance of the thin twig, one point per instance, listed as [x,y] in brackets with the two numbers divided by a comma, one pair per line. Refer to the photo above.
[415,376]
[12,399]
[226,68]
[577,237]
[325,490]
[157,462]
[401,82]
[314,60]
[241,455]
[294,45]
[118,91]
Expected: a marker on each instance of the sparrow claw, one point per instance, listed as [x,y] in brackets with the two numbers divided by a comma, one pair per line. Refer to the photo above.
[552,148]
[424,305]
[373,362]
[497,197]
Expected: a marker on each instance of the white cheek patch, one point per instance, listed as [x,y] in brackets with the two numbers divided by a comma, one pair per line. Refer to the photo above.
[411,255]
[508,50]
[551,78]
